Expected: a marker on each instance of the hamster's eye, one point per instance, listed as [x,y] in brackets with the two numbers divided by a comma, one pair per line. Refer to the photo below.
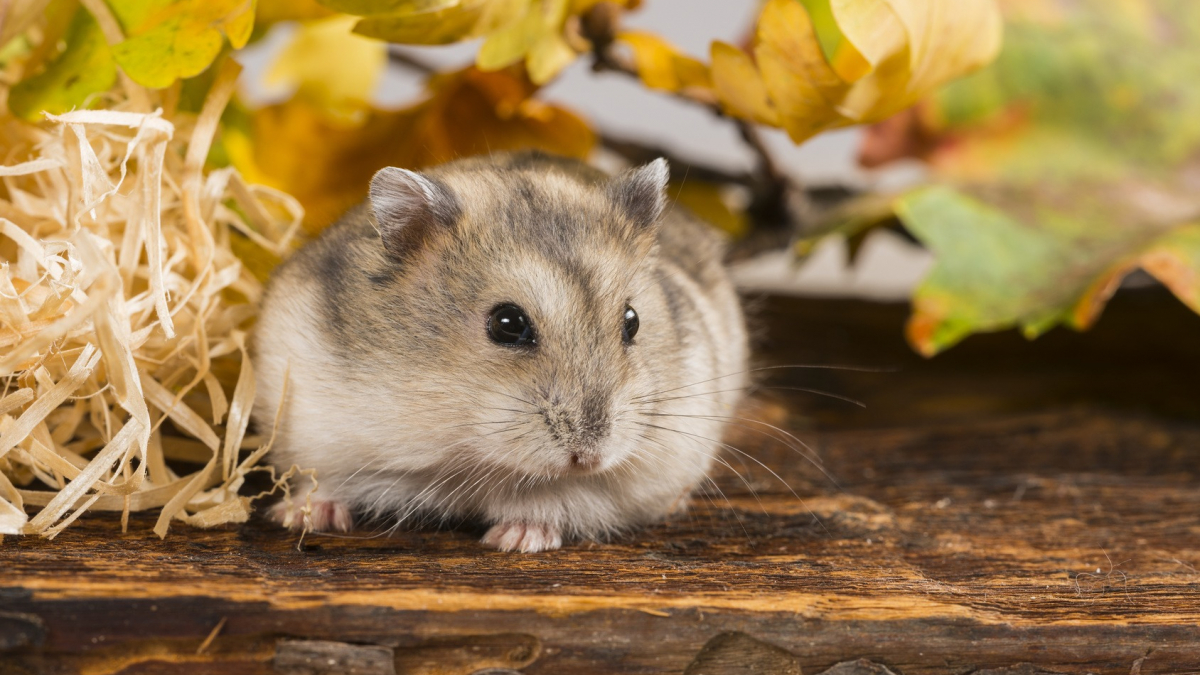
[631,325]
[510,326]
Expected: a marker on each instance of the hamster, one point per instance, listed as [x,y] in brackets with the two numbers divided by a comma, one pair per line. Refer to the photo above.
[520,340]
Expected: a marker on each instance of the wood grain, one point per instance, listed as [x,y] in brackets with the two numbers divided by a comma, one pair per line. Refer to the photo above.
[1007,507]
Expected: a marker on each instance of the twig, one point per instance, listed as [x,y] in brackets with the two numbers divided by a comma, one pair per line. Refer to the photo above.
[402,58]
[779,207]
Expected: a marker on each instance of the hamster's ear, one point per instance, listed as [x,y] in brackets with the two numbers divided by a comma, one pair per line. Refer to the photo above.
[640,193]
[409,208]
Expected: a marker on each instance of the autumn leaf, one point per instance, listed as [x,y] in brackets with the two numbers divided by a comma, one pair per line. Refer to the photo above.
[530,31]
[1071,158]
[661,65]
[995,272]
[330,66]
[740,87]
[886,55]
[166,40]
[535,35]
[707,201]
[327,163]
[83,69]
[429,22]
[269,12]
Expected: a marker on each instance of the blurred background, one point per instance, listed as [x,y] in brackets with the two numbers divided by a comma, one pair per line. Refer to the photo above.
[888,267]
[998,163]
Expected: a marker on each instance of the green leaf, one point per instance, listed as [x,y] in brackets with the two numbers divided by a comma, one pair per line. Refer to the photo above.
[166,40]
[991,272]
[1079,149]
[83,69]
[995,271]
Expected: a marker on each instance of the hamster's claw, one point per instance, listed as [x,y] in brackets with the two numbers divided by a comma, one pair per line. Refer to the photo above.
[326,516]
[523,537]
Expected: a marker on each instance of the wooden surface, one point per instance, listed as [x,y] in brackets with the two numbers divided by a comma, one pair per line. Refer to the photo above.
[1008,507]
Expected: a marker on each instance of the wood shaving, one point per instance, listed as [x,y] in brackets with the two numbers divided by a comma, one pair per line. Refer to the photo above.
[123,314]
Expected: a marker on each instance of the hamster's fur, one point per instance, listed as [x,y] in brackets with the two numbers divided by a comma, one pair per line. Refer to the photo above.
[407,409]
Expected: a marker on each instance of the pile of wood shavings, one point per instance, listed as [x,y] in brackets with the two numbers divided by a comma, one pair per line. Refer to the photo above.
[122,306]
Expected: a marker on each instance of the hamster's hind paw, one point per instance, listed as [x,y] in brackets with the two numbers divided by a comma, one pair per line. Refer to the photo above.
[326,516]
[523,537]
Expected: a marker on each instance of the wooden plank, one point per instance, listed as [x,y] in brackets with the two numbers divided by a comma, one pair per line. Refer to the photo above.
[1008,503]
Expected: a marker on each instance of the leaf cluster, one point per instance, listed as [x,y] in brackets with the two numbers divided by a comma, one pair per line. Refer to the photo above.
[1056,170]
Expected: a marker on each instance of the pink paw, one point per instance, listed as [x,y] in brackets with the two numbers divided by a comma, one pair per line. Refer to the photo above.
[523,537]
[326,516]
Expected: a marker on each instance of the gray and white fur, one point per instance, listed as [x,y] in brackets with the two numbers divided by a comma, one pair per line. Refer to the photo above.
[405,407]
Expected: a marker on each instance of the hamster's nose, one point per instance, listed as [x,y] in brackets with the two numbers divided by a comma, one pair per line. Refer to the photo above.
[584,461]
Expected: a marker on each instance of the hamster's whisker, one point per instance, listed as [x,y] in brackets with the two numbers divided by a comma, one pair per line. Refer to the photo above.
[716,458]
[385,532]
[351,476]
[796,366]
[417,501]
[739,451]
[515,398]
[734,449]
[464,490]
[478,424]
[750,457]
[485,482]
[812,456]
[819,392]
[384,493]
[725,512]
[421,498]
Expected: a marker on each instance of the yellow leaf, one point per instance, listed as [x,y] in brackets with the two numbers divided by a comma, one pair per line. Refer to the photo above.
[661,65]
[166,40]
[548,57]
[510,44]
[433,23]
[536,35]
[330,66]
[274,11]
[804,87]
[704,200]
[390,7]
[581,6]
[893,53]
[940,40]
[739,86]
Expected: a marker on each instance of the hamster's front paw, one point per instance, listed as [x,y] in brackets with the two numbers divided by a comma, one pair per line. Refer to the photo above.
[523,537]
[327,515]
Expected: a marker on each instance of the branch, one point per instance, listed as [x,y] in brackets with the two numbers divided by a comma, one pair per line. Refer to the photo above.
[779,207]
[403,58]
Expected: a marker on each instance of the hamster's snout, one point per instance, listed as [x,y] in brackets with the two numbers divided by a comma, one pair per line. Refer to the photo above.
[579,431]
[585,462]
